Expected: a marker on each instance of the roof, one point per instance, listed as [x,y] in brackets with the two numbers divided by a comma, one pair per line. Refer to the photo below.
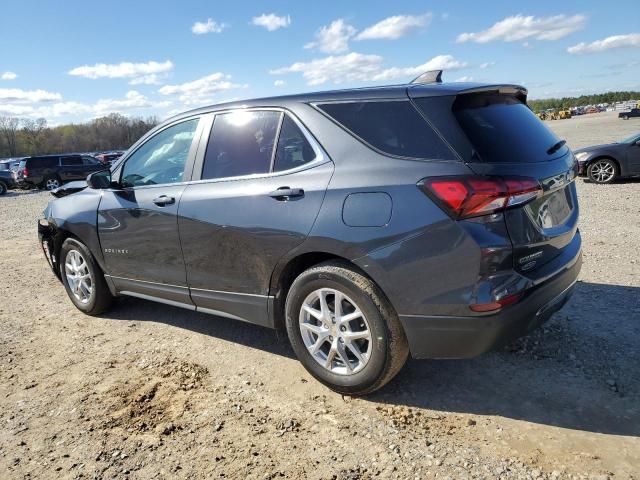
[366,93]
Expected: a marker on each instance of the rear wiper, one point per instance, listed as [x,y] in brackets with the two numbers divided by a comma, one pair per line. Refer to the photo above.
[556,146]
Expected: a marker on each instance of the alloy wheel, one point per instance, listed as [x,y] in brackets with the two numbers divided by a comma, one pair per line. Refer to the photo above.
[52,183]
[78,276]
[603,171]
[335,331]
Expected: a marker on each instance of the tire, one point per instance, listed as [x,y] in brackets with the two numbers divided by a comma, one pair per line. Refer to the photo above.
[3,188]
[383,351]
[626,117]
[602,171]
[92,297]
[51,183]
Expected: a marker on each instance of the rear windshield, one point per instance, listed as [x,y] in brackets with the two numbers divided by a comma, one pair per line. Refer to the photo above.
[393,127]
[504,130]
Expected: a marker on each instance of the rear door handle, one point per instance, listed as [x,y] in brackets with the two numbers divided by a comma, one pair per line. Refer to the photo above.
[164,200]
[285,193]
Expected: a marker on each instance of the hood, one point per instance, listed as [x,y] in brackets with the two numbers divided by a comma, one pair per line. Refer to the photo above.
[592,148]
[69,188]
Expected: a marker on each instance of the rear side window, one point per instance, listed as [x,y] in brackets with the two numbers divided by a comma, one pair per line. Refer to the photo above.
[393,127]
[504,130]
[71,161]
[241,143]
[90,161]
[293,148]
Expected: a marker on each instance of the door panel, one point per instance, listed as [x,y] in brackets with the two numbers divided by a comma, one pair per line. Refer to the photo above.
[234,232]
[140,239]
[633,159]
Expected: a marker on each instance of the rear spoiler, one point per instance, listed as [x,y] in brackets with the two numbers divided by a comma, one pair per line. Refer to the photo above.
[417,90]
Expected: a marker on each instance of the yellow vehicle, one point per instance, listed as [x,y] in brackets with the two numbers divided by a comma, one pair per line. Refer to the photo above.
[564,114]
[542,115]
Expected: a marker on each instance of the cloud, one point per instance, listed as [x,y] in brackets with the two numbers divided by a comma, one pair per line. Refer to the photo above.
[439,62]
[122,70]
[151,79]
[465,78]
[392,28]
[487,65]
[279,83]
[271,21]
[201,90]
[133,100]
[358,67]
[333,38]
[519,27]
[17,95]
[210,26]
[8,76]
[615,41]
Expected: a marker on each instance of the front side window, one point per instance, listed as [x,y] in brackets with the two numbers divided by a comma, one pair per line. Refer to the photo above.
[293,149]
[241,143]
[393,127]
[162,158]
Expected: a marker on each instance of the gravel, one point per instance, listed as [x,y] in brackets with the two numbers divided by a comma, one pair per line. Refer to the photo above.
[153,391]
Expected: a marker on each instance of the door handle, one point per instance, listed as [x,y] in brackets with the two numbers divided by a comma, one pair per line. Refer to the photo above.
[164,200]
[286,193]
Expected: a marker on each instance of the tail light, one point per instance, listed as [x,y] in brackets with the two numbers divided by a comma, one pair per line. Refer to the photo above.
[472,196]
[503,302]
[25,172]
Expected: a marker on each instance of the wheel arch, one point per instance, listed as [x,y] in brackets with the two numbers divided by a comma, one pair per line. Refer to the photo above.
[605,156]
[286,272]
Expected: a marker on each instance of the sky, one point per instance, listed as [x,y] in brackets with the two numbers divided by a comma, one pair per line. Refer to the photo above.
[71,61]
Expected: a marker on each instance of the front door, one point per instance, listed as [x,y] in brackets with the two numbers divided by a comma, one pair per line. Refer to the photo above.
[262,185]
[137,223]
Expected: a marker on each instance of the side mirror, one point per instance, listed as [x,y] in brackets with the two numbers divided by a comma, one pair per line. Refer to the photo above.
[99,180]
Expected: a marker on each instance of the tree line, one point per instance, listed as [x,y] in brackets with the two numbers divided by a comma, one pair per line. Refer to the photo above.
[583,100]
[24,137]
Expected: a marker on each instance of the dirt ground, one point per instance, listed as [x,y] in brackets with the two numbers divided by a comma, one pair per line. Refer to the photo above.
[151,391]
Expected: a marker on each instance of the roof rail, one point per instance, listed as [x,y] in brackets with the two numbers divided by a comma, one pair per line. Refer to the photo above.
[432,76]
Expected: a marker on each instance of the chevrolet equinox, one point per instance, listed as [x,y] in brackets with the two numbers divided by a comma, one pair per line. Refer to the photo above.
[436,219]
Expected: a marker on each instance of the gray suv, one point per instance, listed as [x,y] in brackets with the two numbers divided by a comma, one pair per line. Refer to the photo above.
[431,219]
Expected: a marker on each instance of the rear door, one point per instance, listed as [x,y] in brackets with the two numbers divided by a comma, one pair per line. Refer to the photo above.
[71,168]
[497,134]
[259,189]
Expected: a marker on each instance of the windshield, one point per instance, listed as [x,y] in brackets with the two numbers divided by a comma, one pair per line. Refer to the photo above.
[502,129]
[632,139]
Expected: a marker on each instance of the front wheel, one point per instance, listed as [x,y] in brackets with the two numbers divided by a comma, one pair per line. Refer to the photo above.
[3,188]
[602,171]
[83,279]
[343,330]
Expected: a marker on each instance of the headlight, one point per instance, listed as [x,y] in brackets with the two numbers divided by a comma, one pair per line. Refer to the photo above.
[581,156]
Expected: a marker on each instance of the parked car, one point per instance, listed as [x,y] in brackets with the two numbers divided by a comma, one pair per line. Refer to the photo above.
[51,171]
[606,163]
[7,182]
[108,157]
[431,218]
[634,112]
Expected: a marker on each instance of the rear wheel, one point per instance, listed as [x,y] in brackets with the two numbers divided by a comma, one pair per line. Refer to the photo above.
[83,279]
[603,170]
[625,117]
[51,183]
[343,330]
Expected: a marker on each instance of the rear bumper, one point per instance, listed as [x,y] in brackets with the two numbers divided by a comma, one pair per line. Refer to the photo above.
[467,337]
